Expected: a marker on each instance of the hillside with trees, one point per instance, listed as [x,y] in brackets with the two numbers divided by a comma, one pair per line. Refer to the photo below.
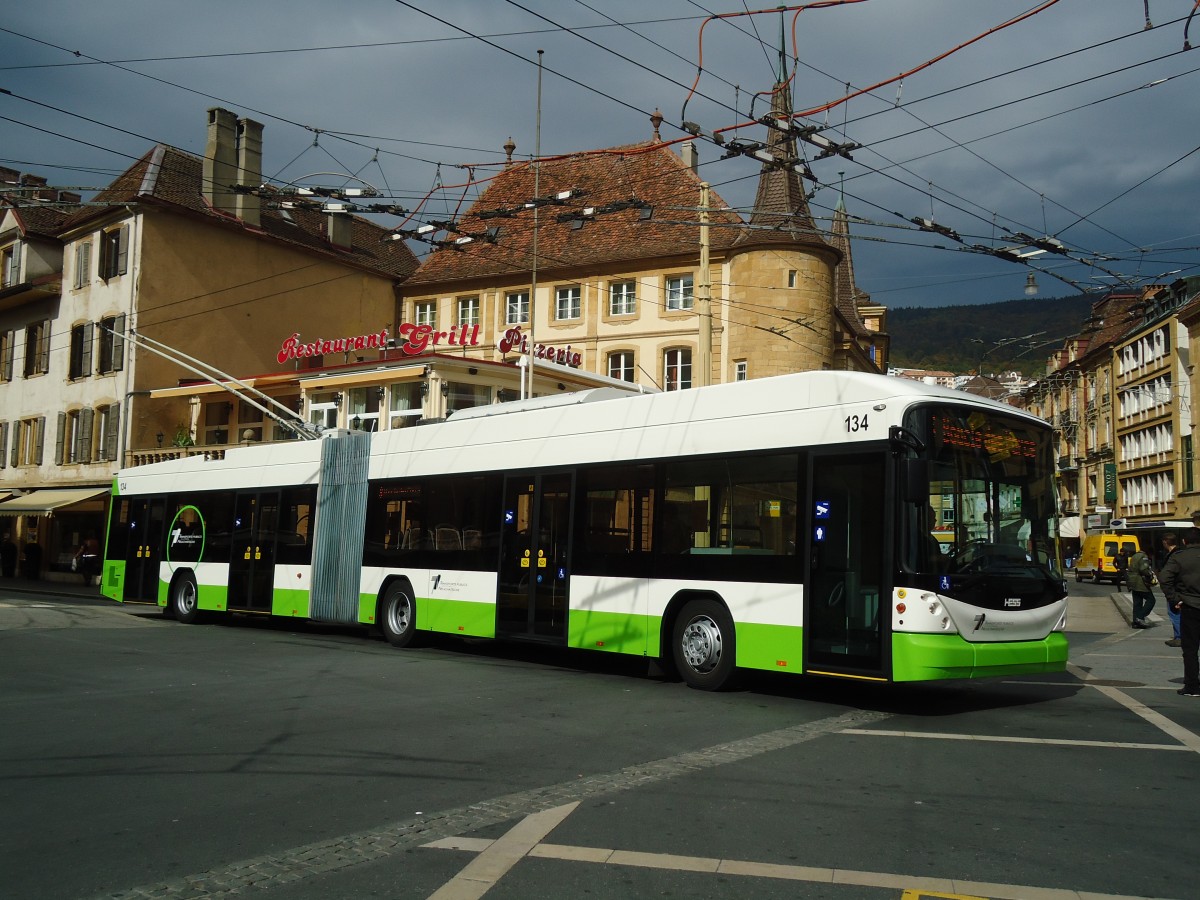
[1014,334]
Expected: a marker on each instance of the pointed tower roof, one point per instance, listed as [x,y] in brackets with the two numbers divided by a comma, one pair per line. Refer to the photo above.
[781,213]
[847,297]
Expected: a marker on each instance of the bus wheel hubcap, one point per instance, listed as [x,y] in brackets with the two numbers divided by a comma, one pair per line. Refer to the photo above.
[187,597]
[702,644]
[399,615]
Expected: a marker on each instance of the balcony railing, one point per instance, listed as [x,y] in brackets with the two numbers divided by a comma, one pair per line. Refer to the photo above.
[160,454]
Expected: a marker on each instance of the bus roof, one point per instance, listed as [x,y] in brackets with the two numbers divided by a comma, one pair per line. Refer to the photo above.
[601,425]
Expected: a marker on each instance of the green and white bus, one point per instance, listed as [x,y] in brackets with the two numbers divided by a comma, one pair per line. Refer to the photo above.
[786,524]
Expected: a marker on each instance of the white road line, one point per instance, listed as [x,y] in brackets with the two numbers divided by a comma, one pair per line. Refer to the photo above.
[490,866]
[921,884]
[1004,739]
[1188,738]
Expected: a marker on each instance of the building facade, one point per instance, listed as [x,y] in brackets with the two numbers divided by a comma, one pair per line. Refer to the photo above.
[599,255]
[172,251]
[1119,396]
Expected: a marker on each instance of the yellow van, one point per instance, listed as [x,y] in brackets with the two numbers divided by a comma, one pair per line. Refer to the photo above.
[1096,558]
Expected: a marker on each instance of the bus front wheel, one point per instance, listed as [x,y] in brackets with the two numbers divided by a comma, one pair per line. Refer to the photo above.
[703,645]
[398,615]
[184,599]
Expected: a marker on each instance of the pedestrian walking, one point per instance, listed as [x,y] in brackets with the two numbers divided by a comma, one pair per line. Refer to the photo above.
[1140,575]
[1180,581]
[87,558]
[1121,564]
[1170,543]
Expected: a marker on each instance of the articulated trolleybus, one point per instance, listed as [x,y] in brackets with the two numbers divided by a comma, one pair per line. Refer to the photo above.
[795,524]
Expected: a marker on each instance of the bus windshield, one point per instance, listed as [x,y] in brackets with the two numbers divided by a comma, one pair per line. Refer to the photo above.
[986,530]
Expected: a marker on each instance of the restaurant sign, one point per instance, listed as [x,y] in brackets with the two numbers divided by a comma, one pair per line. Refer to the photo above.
[514,339]
[411,340]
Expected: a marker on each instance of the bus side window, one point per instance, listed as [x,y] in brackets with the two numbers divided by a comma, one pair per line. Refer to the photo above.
[618,509]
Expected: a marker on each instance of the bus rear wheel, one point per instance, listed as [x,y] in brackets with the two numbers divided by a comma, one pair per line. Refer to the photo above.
[703,645]
[398,615]
[184,599]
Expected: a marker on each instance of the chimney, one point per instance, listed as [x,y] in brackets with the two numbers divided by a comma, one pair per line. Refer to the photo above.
[691,159]
[341,227]
[40,191]
[220,160]
[249,174]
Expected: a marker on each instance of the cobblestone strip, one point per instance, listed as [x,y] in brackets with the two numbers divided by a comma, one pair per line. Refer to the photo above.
[273,870]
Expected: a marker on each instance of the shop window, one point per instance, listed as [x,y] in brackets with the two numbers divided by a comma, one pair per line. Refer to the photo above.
[466,396]
[323,409]
[250,423]
[404,404]
[216,422]
[363,411]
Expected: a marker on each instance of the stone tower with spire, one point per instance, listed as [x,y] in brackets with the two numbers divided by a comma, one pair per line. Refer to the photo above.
[786,312]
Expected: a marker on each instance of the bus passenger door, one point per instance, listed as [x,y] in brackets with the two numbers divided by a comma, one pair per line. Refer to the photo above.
[252,559]
[534,556]
[144,550]
[846,605]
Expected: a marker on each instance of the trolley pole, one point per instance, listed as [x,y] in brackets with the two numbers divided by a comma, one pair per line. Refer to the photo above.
[704,294]
[537,152]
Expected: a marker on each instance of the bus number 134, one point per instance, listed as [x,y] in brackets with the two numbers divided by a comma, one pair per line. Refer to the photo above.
[856,423]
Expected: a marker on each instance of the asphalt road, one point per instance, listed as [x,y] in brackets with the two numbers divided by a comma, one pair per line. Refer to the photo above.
[143,758]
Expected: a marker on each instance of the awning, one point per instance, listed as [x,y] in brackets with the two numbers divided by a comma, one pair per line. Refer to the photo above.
[1068,526]
[45,502]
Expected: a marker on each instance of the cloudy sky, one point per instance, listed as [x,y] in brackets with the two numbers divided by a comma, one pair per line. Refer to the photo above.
[1076,123]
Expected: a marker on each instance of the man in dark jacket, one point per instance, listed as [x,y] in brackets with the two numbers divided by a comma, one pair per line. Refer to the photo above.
[1180,580]
[1140,575]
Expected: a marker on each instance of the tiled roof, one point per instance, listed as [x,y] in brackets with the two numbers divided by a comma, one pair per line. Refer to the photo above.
[647,172]
[847,296]
[171,177]
[38,219]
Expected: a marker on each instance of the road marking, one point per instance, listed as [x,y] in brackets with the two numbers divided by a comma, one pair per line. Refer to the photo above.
[488,867]
[1005,739]
[1188,738]
[321,857]
[912,886]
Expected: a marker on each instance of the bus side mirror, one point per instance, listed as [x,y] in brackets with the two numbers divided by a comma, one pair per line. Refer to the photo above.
[914,475]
